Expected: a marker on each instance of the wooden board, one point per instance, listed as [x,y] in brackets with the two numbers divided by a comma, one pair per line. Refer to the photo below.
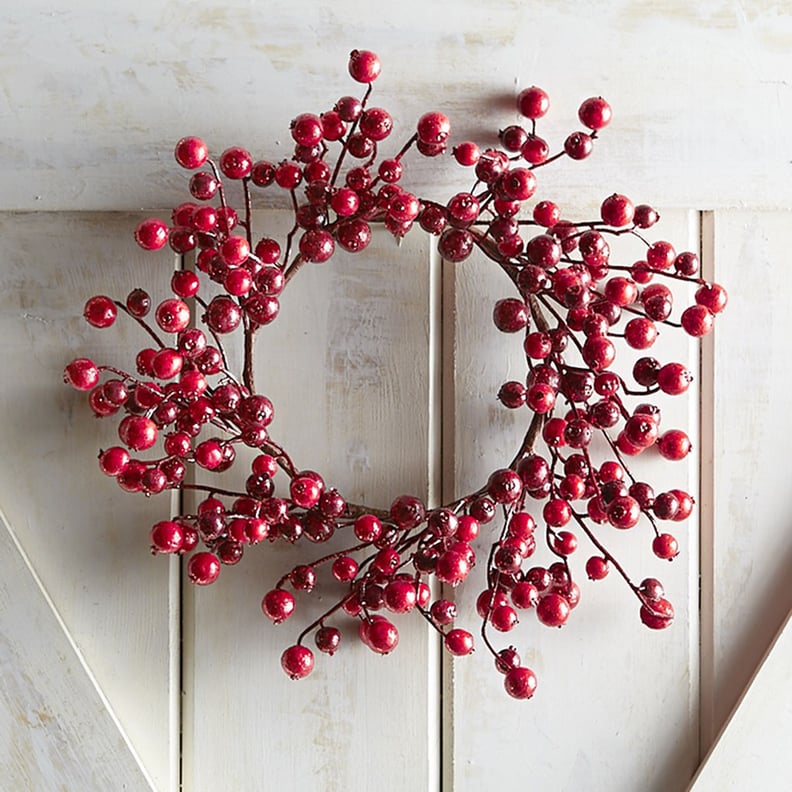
[348,366]
[95,96]
[604,679]
[88,539]
[751,513]
[752,750]
[56,727]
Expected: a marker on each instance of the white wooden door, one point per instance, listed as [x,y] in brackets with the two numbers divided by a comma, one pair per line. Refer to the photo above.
[114,671]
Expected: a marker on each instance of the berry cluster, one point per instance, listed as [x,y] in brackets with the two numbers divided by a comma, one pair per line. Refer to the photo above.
[569,480]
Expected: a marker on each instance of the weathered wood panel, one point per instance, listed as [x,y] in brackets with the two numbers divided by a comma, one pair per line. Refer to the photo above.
[88,539]
[347,366]
[752,752]
[55,726]
[607,685]
[95,95]
[751,510]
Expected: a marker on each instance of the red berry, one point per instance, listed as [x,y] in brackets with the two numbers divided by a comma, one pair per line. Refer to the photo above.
[400,596]
[151,234]
[546,213]
[113,461]
[364,67]
[578,145]
[657,614]
[552,610]
[278,605]
[137,432]
[645,216]
[236,162]
[375,124]
[510,315]
[597,567]
[455,244]
[368,528]
[100,311]
[305,491]
[167,537]
[459,642]
[452,567]
[381,636]
[467,153]
[535,151]
[533,102]
[623,512]
[327,640]
[307,129]
[172,315]
[674,444]
[191,152]
[82,374]
[519,184]
[234,251]
[433,128]
[223,315]
[317,245]
[665,546]
[288,175]
[640,333]
[660,255]
[595,113]
[617,211]
[697,320]
[712,296]
[203,568]
[504,618]
[297,661]
[443,612]
[674,378]
[504,486]
[520,683]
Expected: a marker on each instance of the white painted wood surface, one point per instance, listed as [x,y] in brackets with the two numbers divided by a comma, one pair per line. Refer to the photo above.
[56,727]
[347,366]
[87,538]
[752,514]
[604,680]
[699,89]
[92,100]
[754,743]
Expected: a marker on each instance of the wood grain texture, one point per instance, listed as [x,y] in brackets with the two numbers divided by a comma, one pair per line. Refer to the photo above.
[95,96]
[752,752]
[752,515]
[347,368]
[606,683]
[56,729]
[88,539]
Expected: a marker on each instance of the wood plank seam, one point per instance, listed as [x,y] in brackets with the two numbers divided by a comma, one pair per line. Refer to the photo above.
[706,509]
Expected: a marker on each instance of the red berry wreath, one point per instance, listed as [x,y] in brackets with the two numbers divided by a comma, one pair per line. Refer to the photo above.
[569,480]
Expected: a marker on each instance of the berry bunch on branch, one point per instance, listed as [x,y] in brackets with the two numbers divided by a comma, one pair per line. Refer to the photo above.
[571,481]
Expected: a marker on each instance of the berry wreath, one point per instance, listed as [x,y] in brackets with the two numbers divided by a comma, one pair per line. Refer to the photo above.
[572,302]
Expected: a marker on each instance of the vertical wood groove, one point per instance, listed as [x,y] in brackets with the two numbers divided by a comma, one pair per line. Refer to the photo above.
[436,496]
[448,374]
[706,510]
